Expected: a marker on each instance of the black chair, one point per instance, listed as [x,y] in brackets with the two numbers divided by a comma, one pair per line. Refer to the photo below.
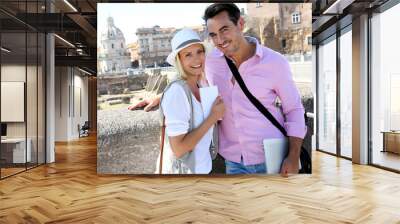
[84,130]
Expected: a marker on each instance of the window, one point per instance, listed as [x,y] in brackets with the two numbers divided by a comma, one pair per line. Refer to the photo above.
[394,102]
[31,129]
[309,40]
[112,46]
[327,97]
[258,4]
[385,88]
[346,94]
[296,18]
[283,42]
[122,45]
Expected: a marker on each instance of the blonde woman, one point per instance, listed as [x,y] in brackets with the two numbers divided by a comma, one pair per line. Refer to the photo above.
[188,133]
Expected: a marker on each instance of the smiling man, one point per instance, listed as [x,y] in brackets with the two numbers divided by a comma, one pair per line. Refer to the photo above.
[267,75]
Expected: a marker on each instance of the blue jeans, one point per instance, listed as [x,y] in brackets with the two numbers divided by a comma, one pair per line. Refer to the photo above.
[240,168]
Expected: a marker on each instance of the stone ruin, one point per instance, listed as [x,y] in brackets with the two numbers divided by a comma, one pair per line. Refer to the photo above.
[120,84]
[121,89]
[156,82]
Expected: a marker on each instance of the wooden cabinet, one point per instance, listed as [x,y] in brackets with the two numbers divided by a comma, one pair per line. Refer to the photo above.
[391,142]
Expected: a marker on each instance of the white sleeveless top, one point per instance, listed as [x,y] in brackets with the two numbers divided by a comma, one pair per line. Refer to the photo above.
[176,109]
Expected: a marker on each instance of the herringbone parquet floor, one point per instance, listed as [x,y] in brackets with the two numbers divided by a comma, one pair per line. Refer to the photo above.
[70,191]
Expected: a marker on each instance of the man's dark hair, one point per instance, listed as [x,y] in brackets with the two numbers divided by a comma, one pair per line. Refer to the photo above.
[214,9]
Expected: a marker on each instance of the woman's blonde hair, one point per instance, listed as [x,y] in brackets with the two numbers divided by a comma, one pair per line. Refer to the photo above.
[179,68]
[181,73]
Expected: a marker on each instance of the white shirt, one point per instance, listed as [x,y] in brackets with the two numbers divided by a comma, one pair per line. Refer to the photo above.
[176,109]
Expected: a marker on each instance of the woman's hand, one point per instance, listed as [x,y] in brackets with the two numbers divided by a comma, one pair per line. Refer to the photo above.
[139,105]
[147,104]
[217,110]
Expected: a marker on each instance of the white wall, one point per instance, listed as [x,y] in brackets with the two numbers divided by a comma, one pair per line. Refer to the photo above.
[79,117]
[12,101]
[61,103]
[70,84]
[14,73]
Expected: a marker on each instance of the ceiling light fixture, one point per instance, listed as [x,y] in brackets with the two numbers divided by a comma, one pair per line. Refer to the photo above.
[86,72]
[5,49]
[64,40]
[79,51]
[70,5]
[337,7]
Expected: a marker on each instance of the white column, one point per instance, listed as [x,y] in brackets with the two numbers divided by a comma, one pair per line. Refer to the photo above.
[50,92]
[314,93]
[50,99]
[360,90]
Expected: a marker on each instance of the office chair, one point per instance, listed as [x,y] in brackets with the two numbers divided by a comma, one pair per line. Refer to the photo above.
[84,130]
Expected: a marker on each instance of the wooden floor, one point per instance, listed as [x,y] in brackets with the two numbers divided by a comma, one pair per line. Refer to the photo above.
[387,159]
[70,191]
[5,172]
[9,171]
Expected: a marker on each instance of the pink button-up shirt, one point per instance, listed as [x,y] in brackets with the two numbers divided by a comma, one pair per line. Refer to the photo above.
[267,75]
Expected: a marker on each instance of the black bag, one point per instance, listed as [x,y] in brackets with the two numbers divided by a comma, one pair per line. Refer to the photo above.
[305,158]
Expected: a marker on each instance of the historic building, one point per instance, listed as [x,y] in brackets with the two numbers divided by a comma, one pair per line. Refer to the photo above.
[113,57]
[133,49]
[283,27]
[154,45]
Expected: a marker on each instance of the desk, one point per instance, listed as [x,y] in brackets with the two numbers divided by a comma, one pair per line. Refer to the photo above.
[18,149]
[391,141]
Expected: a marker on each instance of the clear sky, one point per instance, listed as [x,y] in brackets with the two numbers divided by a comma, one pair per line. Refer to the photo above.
[130,16]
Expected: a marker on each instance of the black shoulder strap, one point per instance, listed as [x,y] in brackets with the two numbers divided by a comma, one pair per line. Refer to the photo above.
[253,99]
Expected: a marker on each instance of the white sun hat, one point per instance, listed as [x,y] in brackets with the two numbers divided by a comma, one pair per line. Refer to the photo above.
[182,39]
